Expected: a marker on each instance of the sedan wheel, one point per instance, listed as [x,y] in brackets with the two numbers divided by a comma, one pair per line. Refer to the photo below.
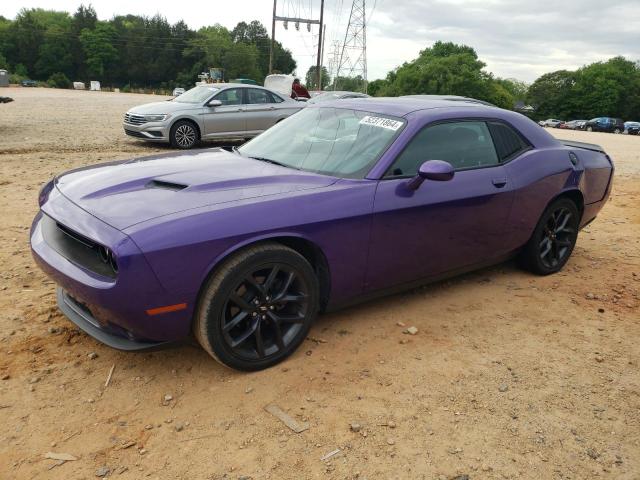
[258,308]
[617,130]
[183,135]
[553,239]
[589,129]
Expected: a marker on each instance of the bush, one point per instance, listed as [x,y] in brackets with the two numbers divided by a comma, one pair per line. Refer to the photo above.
[59,80]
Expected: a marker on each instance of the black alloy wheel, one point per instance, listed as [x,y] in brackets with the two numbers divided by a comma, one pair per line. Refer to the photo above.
[553,239]
[265,312]
[557,239]
[257,308]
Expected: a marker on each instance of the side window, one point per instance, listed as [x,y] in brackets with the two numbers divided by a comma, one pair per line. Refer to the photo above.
[231,96]
[258,96]
[275,98]
[464,145]
[508,143]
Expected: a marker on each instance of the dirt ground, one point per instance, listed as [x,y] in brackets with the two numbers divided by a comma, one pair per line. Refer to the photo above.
[510,375]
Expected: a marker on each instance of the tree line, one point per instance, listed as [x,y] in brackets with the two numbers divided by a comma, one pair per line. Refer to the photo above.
[130,50]
[610,88]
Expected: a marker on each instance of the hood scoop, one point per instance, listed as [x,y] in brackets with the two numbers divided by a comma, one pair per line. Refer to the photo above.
[166,185]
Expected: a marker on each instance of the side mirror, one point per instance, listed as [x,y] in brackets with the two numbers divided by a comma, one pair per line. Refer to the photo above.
[214,103]
[436,170]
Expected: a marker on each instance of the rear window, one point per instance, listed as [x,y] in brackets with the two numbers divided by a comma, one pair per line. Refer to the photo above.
[508,142]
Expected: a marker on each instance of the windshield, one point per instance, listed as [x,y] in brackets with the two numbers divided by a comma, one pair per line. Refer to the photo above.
[332,141]
[196,95]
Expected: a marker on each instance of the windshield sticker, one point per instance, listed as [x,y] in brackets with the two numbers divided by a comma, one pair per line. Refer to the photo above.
[381,122]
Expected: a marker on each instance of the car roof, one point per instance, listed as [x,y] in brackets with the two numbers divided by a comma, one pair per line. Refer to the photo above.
[222,86]
[400,106]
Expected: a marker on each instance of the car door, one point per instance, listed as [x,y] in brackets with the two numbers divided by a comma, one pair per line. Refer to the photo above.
[441,226]
[260,110]
[227,119]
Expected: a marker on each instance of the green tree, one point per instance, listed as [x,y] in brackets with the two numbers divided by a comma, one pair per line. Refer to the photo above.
[59,80]
[55,51]
[552,94]
[517,88]
[350,84]
[311,81]
[99,50]
[376,87]
[447,69]
[610,88]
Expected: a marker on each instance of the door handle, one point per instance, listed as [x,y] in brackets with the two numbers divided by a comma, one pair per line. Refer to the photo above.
[499,182]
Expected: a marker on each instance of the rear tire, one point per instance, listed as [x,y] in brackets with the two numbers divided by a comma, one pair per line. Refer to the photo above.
[553,239]
[258,307]
[616,131]
[184,135]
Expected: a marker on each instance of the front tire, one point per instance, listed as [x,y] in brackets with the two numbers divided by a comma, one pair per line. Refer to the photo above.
[553,239]
[258,307]
[589,129]
[184,135]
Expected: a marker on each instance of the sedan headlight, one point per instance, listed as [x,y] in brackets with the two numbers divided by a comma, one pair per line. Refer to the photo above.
[155,118]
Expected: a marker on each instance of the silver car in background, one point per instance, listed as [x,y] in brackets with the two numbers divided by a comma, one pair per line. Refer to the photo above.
[209,112]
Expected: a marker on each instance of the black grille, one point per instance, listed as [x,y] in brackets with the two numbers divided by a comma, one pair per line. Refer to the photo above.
[76,248]
[133,133]
[133,119]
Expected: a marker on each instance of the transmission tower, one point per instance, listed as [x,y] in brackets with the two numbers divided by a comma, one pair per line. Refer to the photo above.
[353,58]
[334,57]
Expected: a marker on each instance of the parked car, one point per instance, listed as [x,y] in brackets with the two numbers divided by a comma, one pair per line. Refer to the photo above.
[29,83]
[550,122]
[335,95]
[605,124]
[178,91]
[343,201]
[207,112]
[573,125]
[632,128]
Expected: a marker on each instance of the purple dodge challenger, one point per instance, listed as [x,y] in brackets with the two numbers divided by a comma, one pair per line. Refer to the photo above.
[340,202]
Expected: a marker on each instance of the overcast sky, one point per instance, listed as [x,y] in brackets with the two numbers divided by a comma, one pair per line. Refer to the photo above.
[516,38]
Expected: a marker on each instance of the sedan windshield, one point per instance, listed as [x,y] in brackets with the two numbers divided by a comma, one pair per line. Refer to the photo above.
[332,141]
[196,95]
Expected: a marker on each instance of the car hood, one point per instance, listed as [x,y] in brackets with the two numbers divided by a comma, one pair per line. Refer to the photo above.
[123,194]
[162,108]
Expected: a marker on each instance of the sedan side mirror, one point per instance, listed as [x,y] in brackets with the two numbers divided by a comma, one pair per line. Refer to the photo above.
[214,103]
[436,170]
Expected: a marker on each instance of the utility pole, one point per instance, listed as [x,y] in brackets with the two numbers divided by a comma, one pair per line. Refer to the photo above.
[324,35]
[273,37]
[354,49]
[297,22]
[320,39]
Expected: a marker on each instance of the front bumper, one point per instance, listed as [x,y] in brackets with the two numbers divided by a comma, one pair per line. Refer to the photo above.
[151,131]
[113,306]
[81,316]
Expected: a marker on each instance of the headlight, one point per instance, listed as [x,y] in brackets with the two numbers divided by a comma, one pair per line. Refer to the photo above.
[107,256]
[43,196]
[155,118]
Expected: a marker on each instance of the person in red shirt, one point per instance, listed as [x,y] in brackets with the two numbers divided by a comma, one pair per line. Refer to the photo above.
[297,90]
